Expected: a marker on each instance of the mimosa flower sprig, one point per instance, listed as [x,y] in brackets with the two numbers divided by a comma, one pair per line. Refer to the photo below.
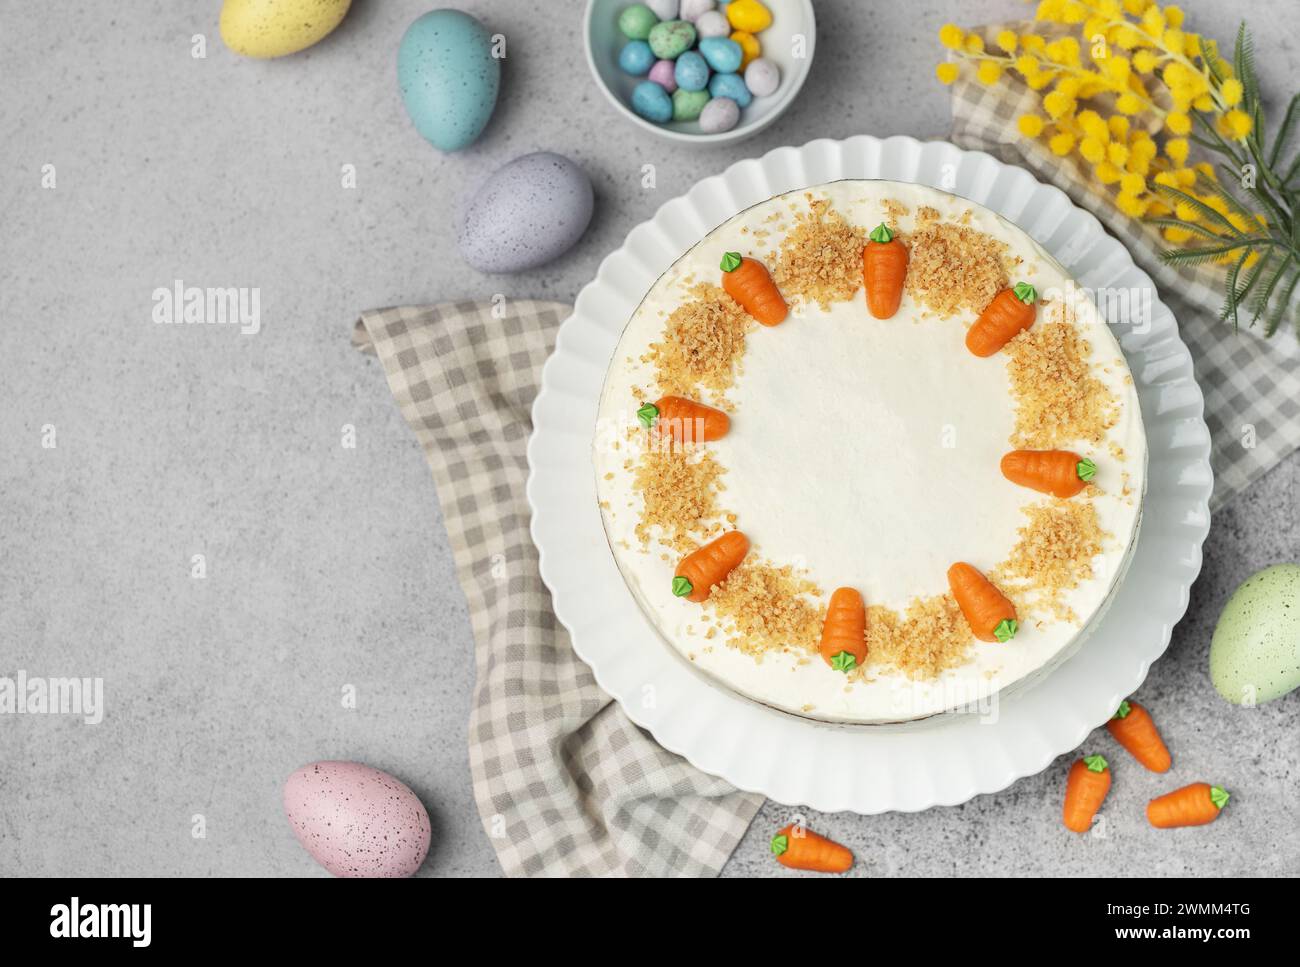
[1128,91]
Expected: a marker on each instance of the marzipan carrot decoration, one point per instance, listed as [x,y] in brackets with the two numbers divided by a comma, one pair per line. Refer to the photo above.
[884,268]
[1134,729]
[801,849]
[1085,789]
[686,421]
[844,645]
[747,281]
[991,616]
[1056,472]
[1193,805]
[1010,312]
[706,566]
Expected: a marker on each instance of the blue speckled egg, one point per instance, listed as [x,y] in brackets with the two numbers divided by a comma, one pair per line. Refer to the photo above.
[652,102]
[448,77]
[723,54]
[692,72]
[527,213]
[731,85]
[636,58]
[357,821]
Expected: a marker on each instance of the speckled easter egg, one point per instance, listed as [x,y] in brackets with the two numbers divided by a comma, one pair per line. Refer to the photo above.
[723,54]
[692,9]
[636,21]
[713,24]
[275,28]
[671,38]
[449,77]
[357,821]
[762,77]
[687,105]
[1255,651]
[718,115]
[664,9]
[527,213]
[732,86]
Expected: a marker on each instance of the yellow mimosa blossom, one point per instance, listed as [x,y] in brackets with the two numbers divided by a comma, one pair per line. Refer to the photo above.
[1030,125]
[1174,16]
[1231,92]
[1175,41]
[1118,125]
[1007,40]
[1132,184]
[1092,150]
[1235,124]
[1178,122]
[952,36]
[1093,125]
[1185,211]
[1134,7]
[1129,103]
[1177,235]
[1117,153]
[1144,61]
[988,72]
[1032,42]
[947,73]
[1057,104]
[1176,150]
[1061,143]
[1107,173]
[974,44]
[1204,103]
[1131,205]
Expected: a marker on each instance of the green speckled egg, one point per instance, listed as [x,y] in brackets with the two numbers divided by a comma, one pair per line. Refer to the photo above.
[275,28]
[671,39]
[1255,652]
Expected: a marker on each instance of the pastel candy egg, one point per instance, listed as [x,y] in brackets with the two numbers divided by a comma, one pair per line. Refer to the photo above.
[692,72]
[664,9]
[528,212]
[448,77]
[664,74]
[749,15]
[713,24]
[762,77]
[687,105]
[635,58]
[693,9]
[652,102]
[671,38]
[720,114]
[1255,651]
[637,21]
[723,54]
[357,821]
[265,28]
[749,46]
[731,86]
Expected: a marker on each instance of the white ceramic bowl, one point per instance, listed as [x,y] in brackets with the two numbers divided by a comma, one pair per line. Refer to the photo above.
[868,769]
[790,18]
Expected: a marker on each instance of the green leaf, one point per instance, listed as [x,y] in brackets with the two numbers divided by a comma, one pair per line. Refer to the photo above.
[731,261]
[1243,57]
[1219,796]
[844,662]
[1231,294]
[1259,303]
[1202,209]
[780,844]
[1215,187]
[1006,629]
[1200,231]
[1095,763]
[1198,256]
[1123,710]
[881,233]
[1025,292]
[1284,131]
[682,586]
[1086,469]
[1280,306]
[647,415]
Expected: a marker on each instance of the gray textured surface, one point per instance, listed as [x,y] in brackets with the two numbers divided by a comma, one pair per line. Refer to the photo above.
[328,567]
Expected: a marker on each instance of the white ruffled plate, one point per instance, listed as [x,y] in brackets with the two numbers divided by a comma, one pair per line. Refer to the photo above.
[880,768]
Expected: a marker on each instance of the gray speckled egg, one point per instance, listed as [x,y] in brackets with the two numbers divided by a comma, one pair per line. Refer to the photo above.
[1255,652]
[527,213]
[355,820]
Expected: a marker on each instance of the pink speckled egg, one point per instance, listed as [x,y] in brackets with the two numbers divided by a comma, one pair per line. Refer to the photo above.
[664,74]
[355,820]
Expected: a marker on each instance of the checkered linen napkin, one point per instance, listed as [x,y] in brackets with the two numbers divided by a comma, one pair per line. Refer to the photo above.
[1251,385]
[566,784]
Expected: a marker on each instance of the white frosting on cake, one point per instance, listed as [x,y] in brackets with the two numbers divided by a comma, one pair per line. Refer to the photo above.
[867,452]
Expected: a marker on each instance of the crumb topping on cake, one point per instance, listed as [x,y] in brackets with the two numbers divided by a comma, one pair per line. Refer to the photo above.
[703,341]
[1058,399]
[765,607]
[1054,554]
[821,257]
[953,267]
[929,638]
[679,487]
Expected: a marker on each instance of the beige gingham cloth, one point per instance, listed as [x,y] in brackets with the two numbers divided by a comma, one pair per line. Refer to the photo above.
[566,784]
[1251,385]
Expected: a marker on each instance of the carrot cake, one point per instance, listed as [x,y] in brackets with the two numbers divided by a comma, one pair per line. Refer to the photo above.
[867,454]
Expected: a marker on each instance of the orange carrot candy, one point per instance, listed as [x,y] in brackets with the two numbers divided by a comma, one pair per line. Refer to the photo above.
[686,421]
[1056,472]
[747,281]
[801,849]
[1010,312]
[991,616]
[1193,805]
[844,643]
[1134,729]
[706,566]
[884,268]
[1085,789]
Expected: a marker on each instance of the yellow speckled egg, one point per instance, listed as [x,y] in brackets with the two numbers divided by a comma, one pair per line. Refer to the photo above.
[276,28]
